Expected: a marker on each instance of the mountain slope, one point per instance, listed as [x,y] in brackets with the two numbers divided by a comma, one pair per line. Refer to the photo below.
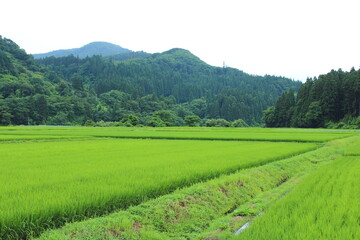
[94,48]
[31,94]
[159,89]
[128,56]
[224,92]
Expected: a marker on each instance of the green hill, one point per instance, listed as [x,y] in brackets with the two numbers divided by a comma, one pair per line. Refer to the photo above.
[159,89]
[91,49]
[207,91]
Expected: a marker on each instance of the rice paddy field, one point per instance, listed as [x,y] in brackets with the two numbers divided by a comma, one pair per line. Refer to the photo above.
[200,133]
[329,207]
[55,175]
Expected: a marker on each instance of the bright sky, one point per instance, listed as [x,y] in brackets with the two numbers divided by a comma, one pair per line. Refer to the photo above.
[296,39]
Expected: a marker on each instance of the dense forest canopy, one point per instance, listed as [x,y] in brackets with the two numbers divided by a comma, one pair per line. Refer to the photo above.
[332,100]
[157,89]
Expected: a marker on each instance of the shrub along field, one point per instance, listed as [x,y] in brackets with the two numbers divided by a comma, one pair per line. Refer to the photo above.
[47,183]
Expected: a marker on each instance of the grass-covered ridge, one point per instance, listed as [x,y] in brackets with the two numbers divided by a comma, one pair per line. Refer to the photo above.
[189,213]
[45,184]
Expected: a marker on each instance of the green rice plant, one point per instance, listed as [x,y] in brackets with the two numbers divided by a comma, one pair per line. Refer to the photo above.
[207,210]
[353,149]
[324,206]
[45,184]
[200,133]
[31,137]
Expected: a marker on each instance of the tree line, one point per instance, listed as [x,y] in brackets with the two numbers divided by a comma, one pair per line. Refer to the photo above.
[332,100]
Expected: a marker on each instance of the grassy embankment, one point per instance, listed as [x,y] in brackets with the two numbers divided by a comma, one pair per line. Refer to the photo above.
[211,209]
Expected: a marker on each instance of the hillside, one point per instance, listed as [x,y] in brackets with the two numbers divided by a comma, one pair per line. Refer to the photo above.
[156,89]
[207,91]
[332,100]
[91,49]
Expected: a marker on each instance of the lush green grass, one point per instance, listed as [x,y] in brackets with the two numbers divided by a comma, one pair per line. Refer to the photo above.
[49,176]
[44,184]
[325,206]
[353,149]
[196,212]
[251,134]
[31,137]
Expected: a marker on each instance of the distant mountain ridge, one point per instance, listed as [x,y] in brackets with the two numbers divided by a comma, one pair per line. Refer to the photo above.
[95,48]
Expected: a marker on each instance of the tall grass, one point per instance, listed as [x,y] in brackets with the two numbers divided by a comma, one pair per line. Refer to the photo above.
[325,206]
[353,149]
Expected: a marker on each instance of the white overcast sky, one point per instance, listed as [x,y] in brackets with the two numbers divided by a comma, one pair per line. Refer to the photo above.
[296,39]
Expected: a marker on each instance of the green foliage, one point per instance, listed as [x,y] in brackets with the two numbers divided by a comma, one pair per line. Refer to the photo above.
[239,123]
[192,120]
[5,115]
[105,124]
[328,101]
[199,107]
[89,123]
[347,122]
[130,120]
[166,117]
[71,90]
[217,123]
[314,116]
[203,90]
[129,56]
[155,122]
[60,118]
[269,117]
[77,83]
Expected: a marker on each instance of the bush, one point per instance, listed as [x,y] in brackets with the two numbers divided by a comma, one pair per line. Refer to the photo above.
[155,122]
[105,124]
[130,120]
[356,122]
[167,117]
[346,123]
[192,120]
[89,123]
[239,123]
[217,123]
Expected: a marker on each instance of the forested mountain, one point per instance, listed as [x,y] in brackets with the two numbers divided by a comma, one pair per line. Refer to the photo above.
[91,49]
[331,100]
[128,56]
[151,89]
